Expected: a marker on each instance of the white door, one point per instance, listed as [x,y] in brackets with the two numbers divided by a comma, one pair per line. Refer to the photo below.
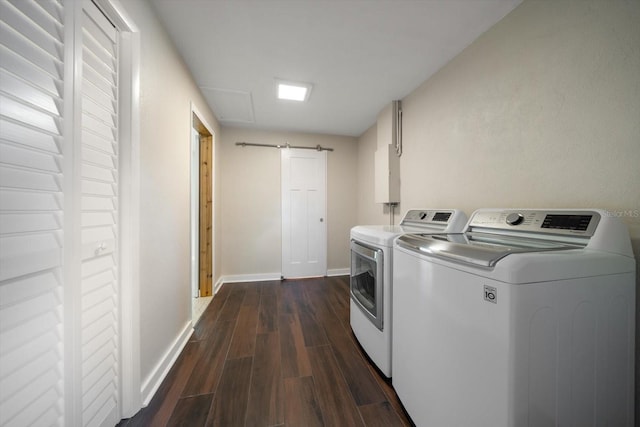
[32,236]
[304,225]
[99,219]
[59,208]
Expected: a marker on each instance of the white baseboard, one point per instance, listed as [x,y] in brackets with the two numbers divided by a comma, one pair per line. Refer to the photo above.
[151,384]
[339,272]
[235,278]
[218,284]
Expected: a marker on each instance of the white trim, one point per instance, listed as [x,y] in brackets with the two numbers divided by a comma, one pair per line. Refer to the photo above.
[194,210]
[339,272]
[236,278]
[218,285]
[160,371]
[130,397]
[73,281]
[117,14]
[196,111]
[70,307]
[263,277]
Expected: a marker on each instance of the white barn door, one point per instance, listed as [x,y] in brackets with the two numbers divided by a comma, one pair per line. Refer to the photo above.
[304,225]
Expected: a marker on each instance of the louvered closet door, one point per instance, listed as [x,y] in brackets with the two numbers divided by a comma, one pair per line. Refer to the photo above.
[99,206]
[31,205]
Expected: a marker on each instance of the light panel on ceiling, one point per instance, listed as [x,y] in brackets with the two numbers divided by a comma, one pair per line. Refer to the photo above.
[290,91]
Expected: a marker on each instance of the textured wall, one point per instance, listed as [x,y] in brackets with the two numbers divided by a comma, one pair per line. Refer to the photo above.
[542,110]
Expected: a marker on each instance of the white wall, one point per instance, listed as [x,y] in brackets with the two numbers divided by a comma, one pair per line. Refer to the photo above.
[543,110]
[166,92]
[251,207]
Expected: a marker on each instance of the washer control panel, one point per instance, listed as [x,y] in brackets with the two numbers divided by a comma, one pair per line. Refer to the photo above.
[566,222]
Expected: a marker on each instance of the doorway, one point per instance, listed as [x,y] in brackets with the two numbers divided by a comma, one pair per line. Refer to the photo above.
[304,225]
[202,215]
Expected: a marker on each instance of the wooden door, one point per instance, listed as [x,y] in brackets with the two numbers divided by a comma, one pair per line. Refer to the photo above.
[205,275]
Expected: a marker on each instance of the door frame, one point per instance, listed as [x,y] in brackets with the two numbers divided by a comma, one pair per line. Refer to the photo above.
[194,224]
[196,120]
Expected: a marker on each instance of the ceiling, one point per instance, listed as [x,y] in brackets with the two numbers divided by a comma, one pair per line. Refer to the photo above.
[359,55]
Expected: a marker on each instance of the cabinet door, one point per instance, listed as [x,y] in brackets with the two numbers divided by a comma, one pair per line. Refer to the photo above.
[59,319]
[32,239]
[99,219]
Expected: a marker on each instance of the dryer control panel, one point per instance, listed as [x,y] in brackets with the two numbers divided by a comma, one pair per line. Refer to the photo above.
[419,216]
[441,220]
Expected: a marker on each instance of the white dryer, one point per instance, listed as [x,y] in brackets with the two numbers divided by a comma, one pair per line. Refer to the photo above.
[371,276]
[525,319]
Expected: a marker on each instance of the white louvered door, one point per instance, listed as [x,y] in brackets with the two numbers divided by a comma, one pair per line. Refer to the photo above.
[99,213]
[59,319]
[31,213]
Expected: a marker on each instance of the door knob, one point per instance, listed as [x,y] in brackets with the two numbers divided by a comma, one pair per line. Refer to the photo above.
[321,219]
[100,248]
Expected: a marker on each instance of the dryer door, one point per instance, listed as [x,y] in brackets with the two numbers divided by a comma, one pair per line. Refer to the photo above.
[367,277]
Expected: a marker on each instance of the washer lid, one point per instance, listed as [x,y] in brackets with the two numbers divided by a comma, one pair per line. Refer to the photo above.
[385,234]
[479,249]
[376,234]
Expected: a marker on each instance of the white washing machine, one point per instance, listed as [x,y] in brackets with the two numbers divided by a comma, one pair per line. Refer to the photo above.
[525,319]
[371,274]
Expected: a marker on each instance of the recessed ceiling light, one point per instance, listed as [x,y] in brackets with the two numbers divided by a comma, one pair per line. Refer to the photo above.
[293,91]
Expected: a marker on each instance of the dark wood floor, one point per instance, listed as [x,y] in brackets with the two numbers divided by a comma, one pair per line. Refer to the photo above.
[277,353]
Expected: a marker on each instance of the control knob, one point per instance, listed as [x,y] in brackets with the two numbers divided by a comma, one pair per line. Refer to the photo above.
[514,218]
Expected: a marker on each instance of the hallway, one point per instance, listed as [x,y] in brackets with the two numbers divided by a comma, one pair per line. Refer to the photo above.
[277,353]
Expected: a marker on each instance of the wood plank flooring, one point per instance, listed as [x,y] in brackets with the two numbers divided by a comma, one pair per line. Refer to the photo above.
[277,353]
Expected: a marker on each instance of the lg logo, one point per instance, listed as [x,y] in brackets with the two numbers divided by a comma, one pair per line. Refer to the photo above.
[490,294]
